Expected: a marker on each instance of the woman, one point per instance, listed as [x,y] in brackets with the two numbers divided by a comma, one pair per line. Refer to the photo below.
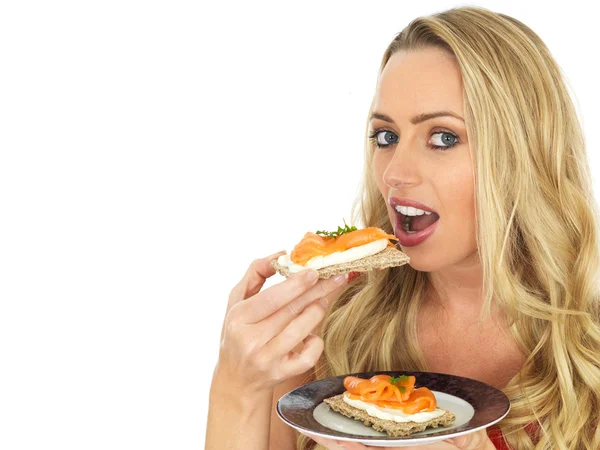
[471,118]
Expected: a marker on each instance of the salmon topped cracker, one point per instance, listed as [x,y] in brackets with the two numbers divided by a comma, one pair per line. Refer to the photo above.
[390,404]
[390,392]
[343,251]
[313,245]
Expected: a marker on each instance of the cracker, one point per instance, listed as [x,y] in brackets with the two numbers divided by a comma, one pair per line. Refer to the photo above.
[388,257]
[390,427]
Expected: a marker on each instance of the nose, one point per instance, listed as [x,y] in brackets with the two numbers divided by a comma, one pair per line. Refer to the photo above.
[403,168]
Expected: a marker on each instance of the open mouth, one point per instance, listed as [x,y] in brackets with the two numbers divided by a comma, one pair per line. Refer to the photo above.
[414,224]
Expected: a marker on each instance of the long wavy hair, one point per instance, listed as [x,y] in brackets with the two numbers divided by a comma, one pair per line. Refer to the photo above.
[537,235]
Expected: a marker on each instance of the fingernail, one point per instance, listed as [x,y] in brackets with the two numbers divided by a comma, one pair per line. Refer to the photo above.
[312,275]
[339,279]
[276,254]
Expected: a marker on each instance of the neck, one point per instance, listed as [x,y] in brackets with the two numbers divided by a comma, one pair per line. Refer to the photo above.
[459,289]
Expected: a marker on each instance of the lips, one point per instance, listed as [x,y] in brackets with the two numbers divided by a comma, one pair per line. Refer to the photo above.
[428,223]
[398,201]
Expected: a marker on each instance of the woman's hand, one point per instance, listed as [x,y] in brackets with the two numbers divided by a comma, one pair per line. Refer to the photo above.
[478,440]
[262,329]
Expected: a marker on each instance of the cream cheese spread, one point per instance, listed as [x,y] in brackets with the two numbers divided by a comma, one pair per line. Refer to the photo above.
[391,413]
[352,254]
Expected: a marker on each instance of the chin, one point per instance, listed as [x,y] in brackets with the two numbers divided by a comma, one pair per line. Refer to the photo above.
[432,262]
[424,264]
[426,258]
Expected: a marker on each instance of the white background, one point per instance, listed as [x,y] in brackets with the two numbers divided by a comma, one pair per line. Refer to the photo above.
[149,152]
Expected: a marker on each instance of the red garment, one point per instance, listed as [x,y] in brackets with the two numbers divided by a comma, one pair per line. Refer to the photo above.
[497,438]
[493,432]
[353,275]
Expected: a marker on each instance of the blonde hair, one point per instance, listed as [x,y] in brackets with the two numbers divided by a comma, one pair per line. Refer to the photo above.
[537,235]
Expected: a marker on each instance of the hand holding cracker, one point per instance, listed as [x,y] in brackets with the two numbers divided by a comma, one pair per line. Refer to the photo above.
[263,330]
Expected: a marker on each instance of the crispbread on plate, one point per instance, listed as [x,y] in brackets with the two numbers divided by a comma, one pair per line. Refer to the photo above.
[388,257]
[390,427]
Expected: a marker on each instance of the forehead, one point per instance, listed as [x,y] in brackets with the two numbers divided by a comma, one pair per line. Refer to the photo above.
[419,81]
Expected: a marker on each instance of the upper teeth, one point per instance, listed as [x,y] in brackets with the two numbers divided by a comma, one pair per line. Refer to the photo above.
[410,211]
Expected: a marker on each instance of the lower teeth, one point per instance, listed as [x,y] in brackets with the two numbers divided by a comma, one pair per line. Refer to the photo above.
[407,222]
[406,225]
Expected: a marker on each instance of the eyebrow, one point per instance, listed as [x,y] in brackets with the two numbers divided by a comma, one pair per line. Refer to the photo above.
[417,119]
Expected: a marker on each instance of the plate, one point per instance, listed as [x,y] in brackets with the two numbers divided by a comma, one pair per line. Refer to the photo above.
[476,406]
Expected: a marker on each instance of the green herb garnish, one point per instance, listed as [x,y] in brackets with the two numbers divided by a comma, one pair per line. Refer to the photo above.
[397,380]
[339,231]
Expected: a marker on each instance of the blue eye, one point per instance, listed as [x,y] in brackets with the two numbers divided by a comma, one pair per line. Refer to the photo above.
[388,138]
[447,140]
[382,138]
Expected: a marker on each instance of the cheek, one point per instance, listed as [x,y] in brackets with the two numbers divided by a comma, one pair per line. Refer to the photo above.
[379,165]
[457,192]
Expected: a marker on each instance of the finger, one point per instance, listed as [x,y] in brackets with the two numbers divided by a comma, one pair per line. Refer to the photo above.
[251,283]
[276,322]
[438,445]
[353,446]
[254,278]
[296,363]
[460,441]
[470,441]
[295,332]
[329,444]
[270,300]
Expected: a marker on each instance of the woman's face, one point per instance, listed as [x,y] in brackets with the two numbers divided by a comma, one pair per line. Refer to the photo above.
[406,165]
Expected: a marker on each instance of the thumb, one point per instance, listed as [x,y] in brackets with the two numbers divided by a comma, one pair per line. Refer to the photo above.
[252,282]
[254,279]
[471,441]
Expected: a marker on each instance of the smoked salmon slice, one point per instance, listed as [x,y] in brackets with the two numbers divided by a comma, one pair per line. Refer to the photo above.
[313,245]
[383,390]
